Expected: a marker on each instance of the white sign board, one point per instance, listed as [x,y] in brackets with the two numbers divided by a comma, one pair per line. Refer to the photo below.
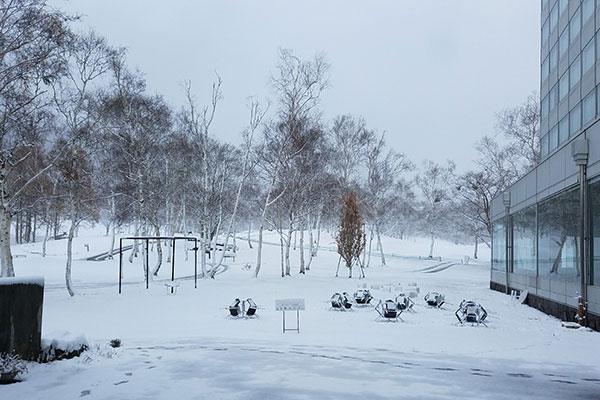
[289,304]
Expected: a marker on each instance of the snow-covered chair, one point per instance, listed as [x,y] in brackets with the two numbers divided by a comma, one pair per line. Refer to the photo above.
[388,310]
[252,307]
[434,299]
[404,303]
[363,296]
[469,311]
[235,309]
[340,301]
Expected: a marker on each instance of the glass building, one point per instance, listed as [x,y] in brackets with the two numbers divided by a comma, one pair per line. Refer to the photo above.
[536,226]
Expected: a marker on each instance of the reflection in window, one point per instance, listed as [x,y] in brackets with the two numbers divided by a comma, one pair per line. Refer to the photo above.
[564,86]
[524,237]
[553,138]
[499,245]
[589,107]
[554,57]
[574,26]
[545,69]
[544,107]
[589,56]
[558,227]
[553,98]
[563,129]
[594,193]
[563,42]
[587,10]
[544,146]
[575,73]
[554,18]
[562,6]
[575,120]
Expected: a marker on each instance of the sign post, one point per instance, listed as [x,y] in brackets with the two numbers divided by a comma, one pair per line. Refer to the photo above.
[290,305]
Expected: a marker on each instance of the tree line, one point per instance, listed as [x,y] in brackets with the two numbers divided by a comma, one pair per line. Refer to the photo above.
[82,140]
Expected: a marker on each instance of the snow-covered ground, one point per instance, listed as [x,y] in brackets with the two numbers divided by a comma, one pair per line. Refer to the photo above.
[185,346]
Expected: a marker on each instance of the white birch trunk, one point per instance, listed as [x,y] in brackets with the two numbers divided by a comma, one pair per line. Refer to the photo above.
[431,246]
[159,252]
[380,246]
[6,260]
[302,267]
[45,240]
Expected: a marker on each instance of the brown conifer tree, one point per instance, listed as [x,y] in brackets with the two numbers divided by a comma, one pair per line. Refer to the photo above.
[351,236]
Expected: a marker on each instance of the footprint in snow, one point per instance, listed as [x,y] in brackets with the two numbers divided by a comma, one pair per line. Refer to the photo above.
[85,393]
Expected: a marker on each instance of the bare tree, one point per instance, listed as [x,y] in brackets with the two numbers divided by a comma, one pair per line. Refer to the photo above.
[31,38]
[298,85]
[88,57]
[521,126]
[435,182]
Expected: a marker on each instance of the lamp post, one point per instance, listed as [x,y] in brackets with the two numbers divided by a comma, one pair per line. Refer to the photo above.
[580,151]
[506,201]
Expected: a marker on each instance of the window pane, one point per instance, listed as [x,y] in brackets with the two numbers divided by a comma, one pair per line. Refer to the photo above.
[545,69]
[558,227]
[589,56]
[545,146]
[563,130]
[589,107]
[553,18]
[553,57]
[499,245]
[564,42]
[587,10]
[524,238]
[595,234]
[553,138]
[575,120]
[574,26]
[545,33]
[564,86]
[562,6]
[575,73]
[553,98]
[545,107]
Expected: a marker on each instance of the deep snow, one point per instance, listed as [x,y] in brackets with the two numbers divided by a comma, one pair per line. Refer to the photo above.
[186,346]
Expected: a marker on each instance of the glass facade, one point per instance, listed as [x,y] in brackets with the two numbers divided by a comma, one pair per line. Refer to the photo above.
[499,244]
[558,236]
[524,237]
[594,196]
[570,55]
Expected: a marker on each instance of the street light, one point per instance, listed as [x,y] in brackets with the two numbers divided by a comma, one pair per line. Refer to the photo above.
[506,201]
[580,151]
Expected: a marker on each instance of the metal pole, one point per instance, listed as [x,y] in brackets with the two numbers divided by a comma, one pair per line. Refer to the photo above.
[506,201]
[283,321]
[298,320]
[580,151]
[147,264]
[120,262]
[195,263]
[173,265]
[582,299]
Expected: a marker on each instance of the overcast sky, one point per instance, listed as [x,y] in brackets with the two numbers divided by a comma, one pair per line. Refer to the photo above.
[432,74]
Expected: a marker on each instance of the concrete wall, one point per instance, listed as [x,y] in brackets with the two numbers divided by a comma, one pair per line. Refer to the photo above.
[21,304]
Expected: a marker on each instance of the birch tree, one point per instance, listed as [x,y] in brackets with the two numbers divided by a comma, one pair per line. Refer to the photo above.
[32,36]
[298,85]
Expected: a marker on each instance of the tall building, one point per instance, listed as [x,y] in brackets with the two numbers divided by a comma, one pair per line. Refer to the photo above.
[537,229]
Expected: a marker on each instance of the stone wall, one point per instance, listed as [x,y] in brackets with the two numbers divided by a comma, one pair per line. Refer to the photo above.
[21,303]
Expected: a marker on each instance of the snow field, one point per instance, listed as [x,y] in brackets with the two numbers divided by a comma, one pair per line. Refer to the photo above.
[197,351]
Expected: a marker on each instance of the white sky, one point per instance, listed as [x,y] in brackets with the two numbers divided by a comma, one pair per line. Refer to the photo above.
[430,73]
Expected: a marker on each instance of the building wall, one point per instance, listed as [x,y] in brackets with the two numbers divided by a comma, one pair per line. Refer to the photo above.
[570,111]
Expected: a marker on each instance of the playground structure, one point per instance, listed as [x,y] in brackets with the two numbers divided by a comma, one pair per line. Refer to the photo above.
[146,240]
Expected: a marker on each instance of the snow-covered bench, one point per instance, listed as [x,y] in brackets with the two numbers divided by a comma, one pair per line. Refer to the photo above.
[172,287]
